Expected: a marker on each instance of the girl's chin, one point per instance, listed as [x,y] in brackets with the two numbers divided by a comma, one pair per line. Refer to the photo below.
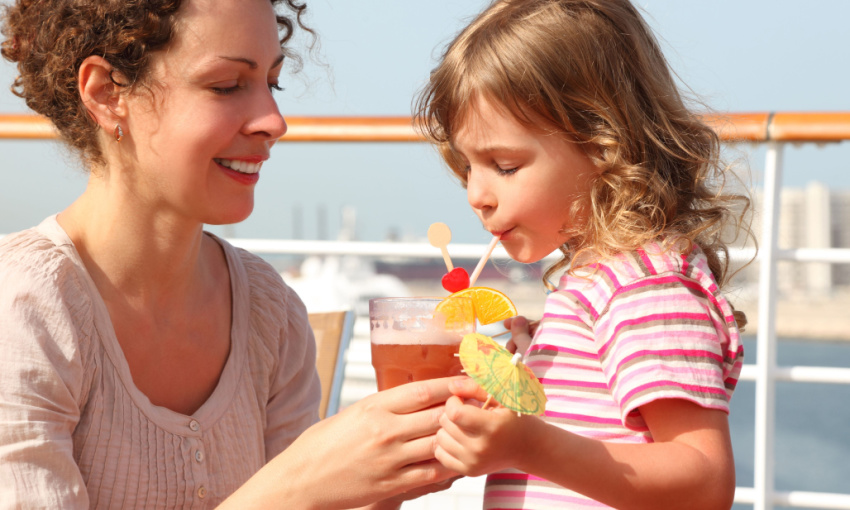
[522,253]
[525,252]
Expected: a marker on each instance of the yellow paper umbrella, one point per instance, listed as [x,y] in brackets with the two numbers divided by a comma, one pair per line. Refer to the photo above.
[501,374]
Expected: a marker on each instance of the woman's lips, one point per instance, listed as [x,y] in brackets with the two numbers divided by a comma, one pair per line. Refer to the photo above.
[242,178]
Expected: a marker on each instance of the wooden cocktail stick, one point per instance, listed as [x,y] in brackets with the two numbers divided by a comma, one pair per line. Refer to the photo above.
[489,398]
[439,235]
[531,324]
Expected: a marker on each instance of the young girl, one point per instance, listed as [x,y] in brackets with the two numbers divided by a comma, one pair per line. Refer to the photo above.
[562,120]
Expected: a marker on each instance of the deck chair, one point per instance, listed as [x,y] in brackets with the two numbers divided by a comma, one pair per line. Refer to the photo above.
[333,332]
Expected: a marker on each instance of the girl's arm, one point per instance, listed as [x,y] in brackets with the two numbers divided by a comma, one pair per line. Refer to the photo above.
[690,464]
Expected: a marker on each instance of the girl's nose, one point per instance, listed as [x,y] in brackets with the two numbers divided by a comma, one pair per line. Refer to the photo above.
[478,192]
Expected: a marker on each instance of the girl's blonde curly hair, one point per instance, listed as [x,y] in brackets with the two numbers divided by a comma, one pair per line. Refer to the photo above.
[594,72]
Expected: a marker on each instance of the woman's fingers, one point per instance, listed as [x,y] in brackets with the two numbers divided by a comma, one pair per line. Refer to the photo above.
[415,396]
[448,460]
[423,473]
[419,424]
[418,450]
[426,489]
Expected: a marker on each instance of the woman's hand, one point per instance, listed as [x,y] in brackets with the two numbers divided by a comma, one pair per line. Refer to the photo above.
[475,441]
[394,503]
[380,447]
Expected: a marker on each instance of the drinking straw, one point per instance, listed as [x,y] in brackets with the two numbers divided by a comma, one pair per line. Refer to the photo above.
[483,261]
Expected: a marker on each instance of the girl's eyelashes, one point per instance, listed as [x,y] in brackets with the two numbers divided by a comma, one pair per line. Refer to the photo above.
[275,87]
[504,172]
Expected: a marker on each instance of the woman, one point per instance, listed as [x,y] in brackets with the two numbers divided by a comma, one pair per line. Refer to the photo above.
[150,363]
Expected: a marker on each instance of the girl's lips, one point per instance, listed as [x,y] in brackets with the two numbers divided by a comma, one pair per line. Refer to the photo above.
[503,234]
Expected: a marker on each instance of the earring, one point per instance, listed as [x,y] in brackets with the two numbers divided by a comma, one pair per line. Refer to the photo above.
[118,133]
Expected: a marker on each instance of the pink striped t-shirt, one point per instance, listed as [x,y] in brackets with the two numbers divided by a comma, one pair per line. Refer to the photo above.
[624,332]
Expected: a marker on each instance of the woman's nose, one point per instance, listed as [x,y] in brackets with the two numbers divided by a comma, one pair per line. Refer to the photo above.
[267,122]
[479,192]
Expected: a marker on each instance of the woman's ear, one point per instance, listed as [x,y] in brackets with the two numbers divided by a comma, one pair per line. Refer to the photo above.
[100,94]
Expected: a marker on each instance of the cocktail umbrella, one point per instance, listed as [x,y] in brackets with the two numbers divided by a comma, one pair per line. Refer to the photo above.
[502,375]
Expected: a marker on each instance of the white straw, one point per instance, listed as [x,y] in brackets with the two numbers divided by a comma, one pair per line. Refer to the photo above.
[483,261]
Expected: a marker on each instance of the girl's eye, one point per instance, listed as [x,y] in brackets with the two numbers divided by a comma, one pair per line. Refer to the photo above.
[506,171]
[274,87]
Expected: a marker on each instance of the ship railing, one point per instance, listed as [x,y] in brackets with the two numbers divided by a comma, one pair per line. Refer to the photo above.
[773,129]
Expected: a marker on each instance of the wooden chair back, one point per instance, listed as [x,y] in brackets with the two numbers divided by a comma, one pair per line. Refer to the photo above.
[333,332]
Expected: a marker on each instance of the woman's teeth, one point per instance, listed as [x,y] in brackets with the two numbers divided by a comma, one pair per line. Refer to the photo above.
[240,166]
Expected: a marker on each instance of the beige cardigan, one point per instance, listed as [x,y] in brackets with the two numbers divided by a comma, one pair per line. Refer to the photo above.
[75,432]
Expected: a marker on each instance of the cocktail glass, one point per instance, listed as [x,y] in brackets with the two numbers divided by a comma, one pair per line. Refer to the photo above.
[412,340]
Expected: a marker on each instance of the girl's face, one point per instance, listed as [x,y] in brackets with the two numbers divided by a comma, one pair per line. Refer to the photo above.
[197,142]
[521,183]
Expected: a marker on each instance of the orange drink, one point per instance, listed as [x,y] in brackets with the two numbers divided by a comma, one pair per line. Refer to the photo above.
[412,341]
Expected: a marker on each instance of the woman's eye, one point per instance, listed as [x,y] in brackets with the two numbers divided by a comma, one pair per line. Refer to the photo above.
[506,171]
[226,90]
[274,87]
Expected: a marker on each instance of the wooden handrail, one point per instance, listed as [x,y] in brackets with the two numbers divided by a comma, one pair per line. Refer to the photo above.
[815,127]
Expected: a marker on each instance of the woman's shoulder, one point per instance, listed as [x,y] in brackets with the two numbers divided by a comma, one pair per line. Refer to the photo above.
[39,258]
[44,294]
[21,249]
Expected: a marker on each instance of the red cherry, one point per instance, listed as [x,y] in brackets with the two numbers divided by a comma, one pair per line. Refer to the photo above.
[456,279]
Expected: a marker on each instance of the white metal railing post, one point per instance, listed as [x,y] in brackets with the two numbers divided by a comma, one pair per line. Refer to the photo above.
[766,336]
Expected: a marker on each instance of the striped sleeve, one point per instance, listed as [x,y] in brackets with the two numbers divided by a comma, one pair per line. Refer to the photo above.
[664,336]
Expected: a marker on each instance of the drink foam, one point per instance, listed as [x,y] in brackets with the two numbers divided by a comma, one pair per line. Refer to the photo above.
[414,330]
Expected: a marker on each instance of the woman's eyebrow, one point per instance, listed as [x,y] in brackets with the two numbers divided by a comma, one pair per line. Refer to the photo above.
[251,63]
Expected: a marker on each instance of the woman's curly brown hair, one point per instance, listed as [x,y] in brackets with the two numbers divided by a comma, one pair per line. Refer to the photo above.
[593,72]
[49,40]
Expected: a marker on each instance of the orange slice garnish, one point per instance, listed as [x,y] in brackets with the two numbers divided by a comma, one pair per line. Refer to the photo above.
[490,305]
[459,313]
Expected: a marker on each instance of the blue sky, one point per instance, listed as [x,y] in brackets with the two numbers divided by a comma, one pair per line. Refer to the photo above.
[736,55]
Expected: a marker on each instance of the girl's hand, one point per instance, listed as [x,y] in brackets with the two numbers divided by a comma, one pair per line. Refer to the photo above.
[521,333]
[474,441]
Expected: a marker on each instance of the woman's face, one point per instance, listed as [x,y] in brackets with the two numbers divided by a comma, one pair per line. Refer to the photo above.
[199,139]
